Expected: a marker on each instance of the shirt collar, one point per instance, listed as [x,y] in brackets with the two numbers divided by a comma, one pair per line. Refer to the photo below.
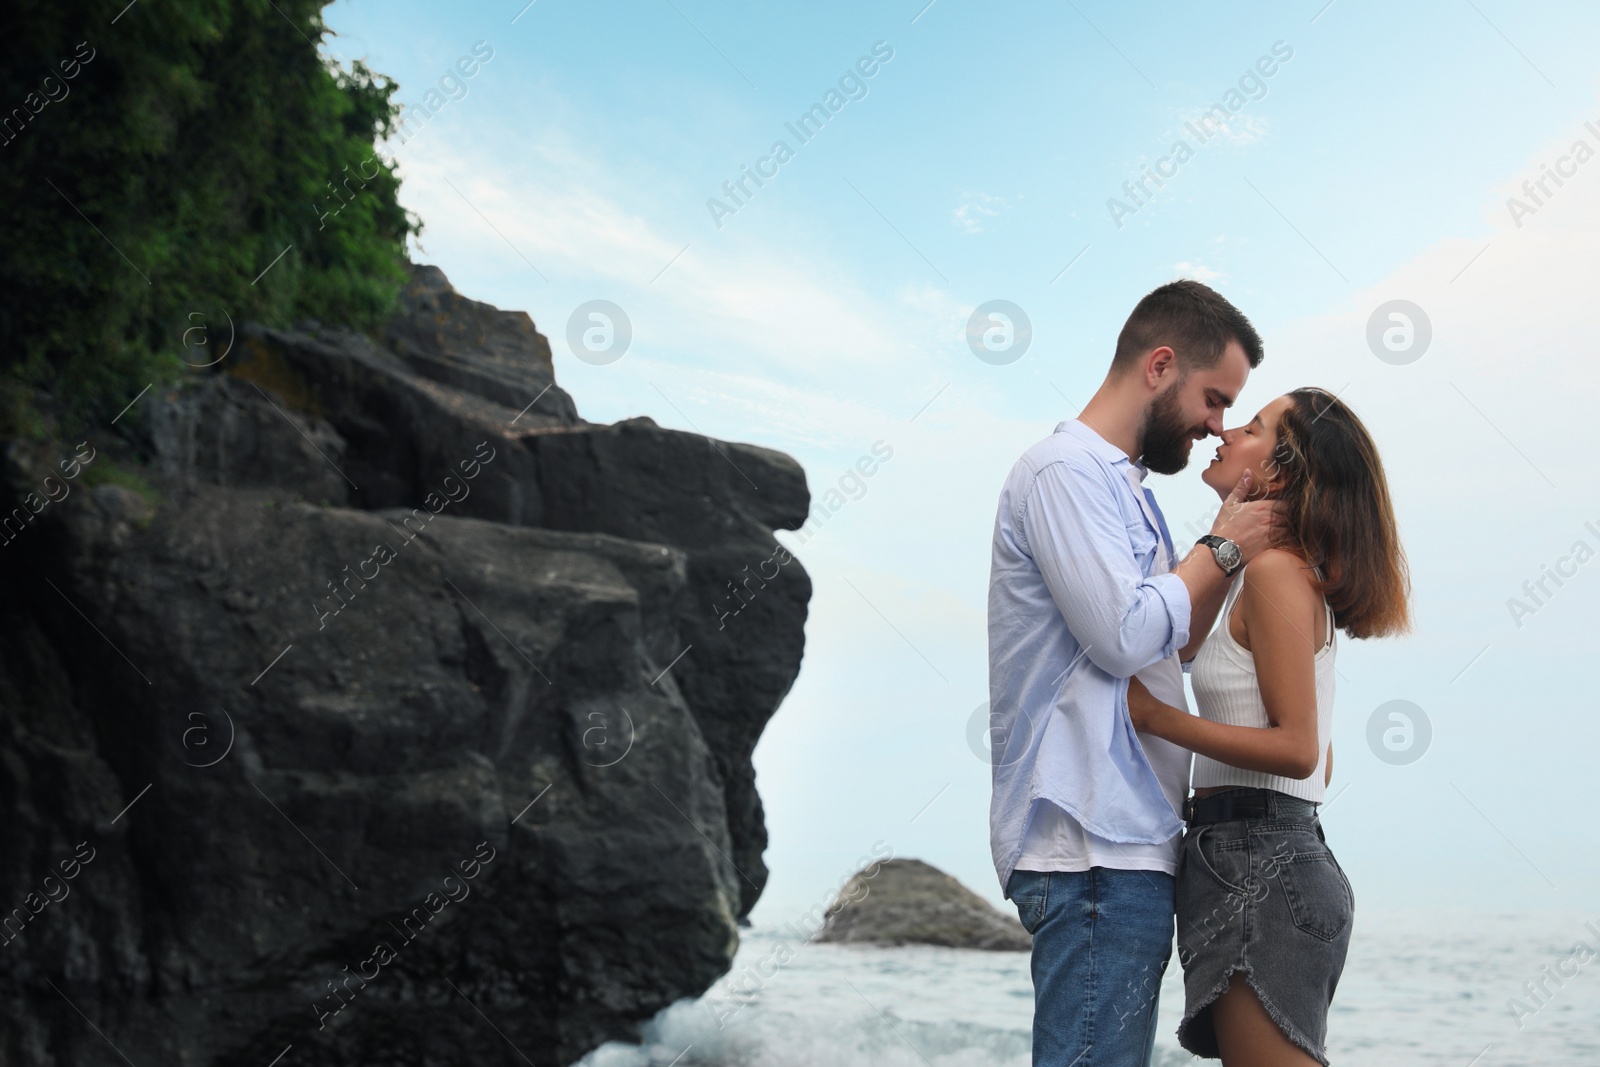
[1100,446]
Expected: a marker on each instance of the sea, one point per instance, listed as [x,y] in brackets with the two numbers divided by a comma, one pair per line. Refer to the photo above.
[1461,990]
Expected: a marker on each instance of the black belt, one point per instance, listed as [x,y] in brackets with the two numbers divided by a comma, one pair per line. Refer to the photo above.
[1245,803]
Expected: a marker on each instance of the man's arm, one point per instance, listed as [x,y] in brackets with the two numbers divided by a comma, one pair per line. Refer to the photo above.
[1079,541]
[1123,620]
[1252,525]
[1203,613]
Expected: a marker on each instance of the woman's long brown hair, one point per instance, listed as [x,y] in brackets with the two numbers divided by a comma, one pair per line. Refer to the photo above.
[1327,473]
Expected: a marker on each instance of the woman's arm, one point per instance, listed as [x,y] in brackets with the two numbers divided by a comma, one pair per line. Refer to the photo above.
[1279,608]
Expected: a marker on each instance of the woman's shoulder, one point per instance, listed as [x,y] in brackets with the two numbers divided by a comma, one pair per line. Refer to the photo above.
[1279,573]
[1280,563]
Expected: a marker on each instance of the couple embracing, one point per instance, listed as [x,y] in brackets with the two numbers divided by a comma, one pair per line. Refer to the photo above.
[1093,621]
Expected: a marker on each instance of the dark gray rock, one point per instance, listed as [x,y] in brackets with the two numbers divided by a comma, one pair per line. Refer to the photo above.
[719,502]
[374,625]
[229,432]
[908,902]
[476,348]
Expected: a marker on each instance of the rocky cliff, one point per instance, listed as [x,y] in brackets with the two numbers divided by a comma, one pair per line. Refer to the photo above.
[389,719]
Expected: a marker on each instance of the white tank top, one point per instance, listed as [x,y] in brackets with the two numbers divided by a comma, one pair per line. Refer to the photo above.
[1226,690]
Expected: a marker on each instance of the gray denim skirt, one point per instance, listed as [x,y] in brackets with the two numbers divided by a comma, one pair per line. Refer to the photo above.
[1263,897]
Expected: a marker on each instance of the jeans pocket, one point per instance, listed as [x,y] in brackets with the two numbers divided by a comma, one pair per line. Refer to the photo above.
[1320,901]
[1029,892]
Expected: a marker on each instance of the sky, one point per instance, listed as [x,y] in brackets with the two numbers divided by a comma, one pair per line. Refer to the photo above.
[1368,154]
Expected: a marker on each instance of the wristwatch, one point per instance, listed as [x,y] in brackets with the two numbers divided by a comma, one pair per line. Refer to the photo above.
[1229,558]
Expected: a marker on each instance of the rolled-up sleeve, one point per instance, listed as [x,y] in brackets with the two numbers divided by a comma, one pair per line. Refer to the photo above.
[1077,538]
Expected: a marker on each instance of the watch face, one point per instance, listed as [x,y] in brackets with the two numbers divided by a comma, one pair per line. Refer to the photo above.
[1228,555]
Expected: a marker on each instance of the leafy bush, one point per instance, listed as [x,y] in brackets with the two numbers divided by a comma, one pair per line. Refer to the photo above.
[154,163]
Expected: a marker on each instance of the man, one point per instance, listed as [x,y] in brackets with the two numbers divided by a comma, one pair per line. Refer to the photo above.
[1083,594]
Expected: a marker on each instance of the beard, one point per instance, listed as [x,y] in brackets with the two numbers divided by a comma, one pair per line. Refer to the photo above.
[1164,441]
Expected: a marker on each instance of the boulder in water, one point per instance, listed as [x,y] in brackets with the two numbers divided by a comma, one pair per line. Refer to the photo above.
[908,902]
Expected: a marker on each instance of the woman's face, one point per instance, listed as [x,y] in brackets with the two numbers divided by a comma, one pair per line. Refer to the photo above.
[1248,447]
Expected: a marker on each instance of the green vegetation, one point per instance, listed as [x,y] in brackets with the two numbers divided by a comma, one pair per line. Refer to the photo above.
[106,472]
[153,167]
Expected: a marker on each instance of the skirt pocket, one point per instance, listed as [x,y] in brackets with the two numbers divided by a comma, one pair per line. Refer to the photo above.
[1320,901]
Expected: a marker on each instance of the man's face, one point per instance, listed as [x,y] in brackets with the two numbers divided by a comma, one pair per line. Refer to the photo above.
[1190,410]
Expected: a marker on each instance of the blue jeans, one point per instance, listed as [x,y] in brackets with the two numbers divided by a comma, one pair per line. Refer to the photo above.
[1101,942]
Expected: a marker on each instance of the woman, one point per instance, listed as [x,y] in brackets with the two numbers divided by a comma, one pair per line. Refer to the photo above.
[1264,910]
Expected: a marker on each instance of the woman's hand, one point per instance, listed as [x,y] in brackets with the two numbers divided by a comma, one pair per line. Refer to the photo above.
[1145,710]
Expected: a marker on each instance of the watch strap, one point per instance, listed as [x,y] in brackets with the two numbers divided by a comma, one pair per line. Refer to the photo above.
[1215,542]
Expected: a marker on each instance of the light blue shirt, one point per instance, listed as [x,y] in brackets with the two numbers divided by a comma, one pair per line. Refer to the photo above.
[1080,598]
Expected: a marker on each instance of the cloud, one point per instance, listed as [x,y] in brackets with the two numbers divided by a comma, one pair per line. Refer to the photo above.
[1198,271]
[975,207]
[752,333]
[1487,437]
[1242,129]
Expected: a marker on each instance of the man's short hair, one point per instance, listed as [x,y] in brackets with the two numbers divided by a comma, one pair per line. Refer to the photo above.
[1192,319]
